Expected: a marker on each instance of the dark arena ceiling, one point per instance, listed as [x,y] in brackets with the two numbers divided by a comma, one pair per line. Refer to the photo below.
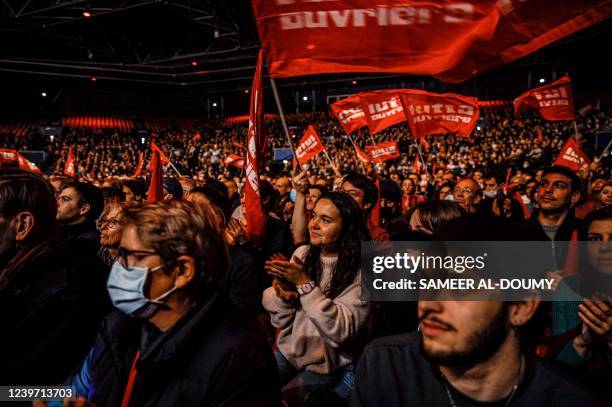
[209,47]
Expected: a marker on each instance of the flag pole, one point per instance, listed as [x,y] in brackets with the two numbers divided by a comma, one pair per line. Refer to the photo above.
[331,163]
[575,132]
[174,168]
[282,116]
[355,148]
[421,157]
[605,150]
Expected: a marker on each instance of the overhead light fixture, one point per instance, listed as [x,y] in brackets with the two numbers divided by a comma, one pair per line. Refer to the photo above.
[354,82]
[305,98]
[194,63]
[86,14]
[93,79]
[542,80]
[43,94]
[246,91]
[51,137]
[214,104]
[478,128]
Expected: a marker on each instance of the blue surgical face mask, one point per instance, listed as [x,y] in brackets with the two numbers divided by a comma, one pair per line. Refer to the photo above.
[449,197]
[293,195]
[126,290]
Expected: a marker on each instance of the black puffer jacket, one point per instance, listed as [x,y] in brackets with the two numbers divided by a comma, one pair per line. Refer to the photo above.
[213,356]
[50,310]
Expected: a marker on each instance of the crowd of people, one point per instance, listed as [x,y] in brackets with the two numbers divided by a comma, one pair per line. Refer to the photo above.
[169,303]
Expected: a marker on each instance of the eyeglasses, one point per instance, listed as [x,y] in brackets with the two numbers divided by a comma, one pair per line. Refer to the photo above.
[110,223]
[464,190]
[124,255]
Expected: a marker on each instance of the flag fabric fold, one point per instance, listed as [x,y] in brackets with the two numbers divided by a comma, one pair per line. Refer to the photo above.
[140,165]
[162,157]
[572,156]
[349,113]
[433,113]
[234,160]
[553,101]
[156,187]
[256,143]
[310,146]
[70,166]
[452,41]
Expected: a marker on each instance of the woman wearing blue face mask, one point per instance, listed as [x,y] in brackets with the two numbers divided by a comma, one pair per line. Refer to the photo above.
[171,327]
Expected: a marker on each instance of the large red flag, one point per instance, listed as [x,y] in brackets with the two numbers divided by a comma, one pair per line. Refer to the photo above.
[384,151]
[254,213]
[156,186]
[310,145]
[554,101]
[382,109]
[70,167]
[350,114]
[140,165]
[234,160]
[449,39]
[162,157]
[572,156]
[433,113]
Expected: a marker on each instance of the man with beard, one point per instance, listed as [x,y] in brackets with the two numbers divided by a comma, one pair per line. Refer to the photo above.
[466,352]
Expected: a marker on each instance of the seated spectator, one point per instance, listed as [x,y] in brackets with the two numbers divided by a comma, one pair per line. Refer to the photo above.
[468,195]
[241,284]
[582,330]
[467,353]
[135,190]
[365,193]
[52,295]
[172,327]
[78,207]
[427,217]
[315,301]
[172,189]
[110,226]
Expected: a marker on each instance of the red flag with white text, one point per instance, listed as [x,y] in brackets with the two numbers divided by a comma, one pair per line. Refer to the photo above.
[572,156]
[434,113]
[13,157]
[256,142]
[387,150]
[451,40]
[382,109]
[310,145]
[350,114]
[70,167]
[553,101]
[234,160]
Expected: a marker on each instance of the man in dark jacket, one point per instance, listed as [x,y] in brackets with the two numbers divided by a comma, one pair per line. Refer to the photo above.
[554,221]
[52,292]
[175,341]
[470,351]
[78,207]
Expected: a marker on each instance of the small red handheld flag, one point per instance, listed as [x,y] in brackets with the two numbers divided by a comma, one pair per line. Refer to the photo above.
[553,101]
[70,167]
[310,145]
